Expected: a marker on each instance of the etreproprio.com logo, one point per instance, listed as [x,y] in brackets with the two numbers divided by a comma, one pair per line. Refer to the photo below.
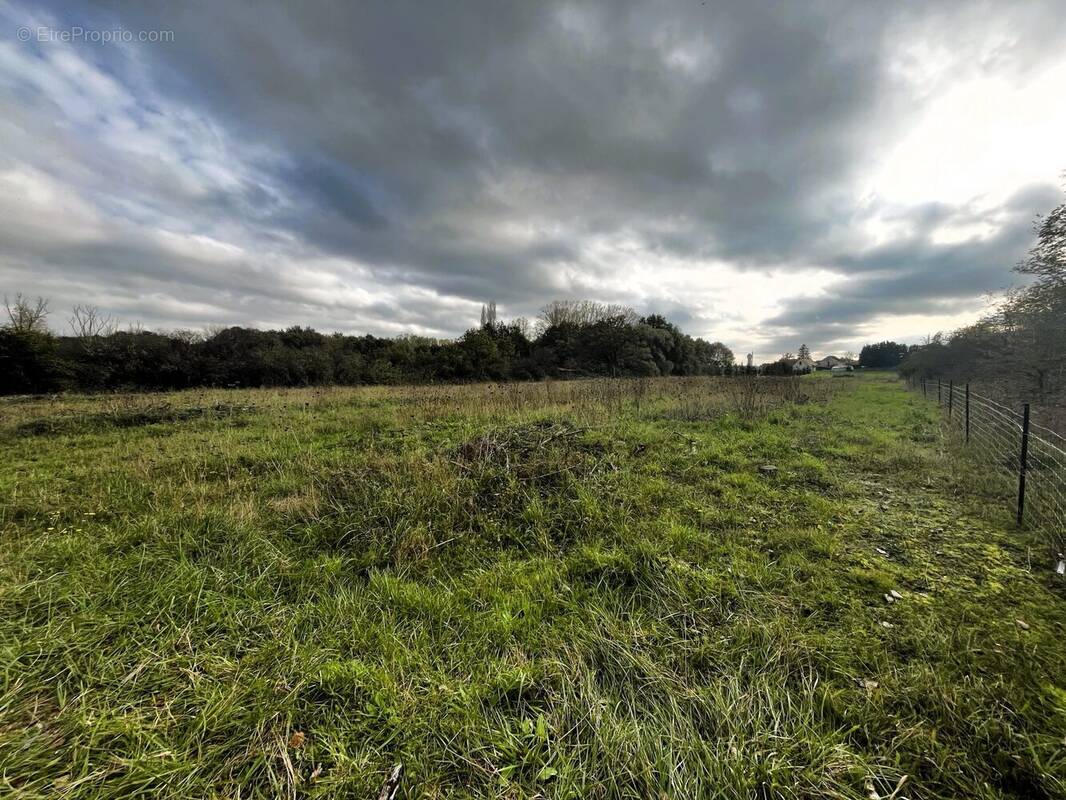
[77,34]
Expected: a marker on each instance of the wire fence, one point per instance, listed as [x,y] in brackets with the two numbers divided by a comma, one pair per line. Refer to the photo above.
[1013,444]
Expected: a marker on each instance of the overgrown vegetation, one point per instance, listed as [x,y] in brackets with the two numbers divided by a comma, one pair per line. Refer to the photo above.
[558,589]
[572,339]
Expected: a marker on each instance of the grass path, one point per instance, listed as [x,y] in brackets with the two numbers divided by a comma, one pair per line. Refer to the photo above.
[282,594]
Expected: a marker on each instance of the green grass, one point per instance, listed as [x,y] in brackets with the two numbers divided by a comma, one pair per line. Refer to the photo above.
[582,590]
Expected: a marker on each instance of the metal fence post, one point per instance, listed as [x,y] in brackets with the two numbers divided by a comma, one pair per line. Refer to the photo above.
[967,412]
[939,401]
[1022,463]
[951,396]
[925,394]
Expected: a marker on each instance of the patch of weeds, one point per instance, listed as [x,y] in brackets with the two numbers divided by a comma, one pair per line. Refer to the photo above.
[531,481]
[541,455]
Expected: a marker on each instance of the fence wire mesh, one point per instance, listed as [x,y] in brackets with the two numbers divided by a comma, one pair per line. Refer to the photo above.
[1018,447]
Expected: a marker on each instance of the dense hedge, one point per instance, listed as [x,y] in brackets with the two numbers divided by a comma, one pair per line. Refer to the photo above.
[34,361]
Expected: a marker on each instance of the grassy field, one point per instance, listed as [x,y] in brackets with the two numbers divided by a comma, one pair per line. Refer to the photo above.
[584,590]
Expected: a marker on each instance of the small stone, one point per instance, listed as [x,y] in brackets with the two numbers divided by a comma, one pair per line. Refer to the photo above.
[1021,623]
[890,599]
[896,595]
[882,551]
[1060,568]
[887,625]
[768,469]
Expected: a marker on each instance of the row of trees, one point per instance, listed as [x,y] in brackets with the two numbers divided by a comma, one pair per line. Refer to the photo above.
[572,339]
[1019,350]
[883,354]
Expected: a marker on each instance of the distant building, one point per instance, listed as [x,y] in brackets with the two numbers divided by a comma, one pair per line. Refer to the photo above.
[802,365]
[828,362]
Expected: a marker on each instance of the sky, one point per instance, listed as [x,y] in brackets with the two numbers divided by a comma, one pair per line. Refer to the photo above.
[766,174]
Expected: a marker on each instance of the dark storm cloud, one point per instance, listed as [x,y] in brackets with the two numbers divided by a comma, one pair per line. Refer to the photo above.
[730,119]
[332,187]
[449,155]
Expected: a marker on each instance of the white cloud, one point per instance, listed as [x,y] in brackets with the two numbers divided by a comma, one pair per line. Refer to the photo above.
[984,138]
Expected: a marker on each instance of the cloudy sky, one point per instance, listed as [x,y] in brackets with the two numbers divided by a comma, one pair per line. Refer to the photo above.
[764,173]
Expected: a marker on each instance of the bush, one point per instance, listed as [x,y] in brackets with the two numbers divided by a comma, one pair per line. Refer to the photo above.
[28,363]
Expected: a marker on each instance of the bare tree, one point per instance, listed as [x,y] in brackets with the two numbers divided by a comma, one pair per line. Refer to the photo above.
[25,315]
[186,336]
[584,312]
[87,322]
[524,326]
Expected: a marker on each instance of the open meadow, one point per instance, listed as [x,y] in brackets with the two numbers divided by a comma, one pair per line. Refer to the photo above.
[642,588]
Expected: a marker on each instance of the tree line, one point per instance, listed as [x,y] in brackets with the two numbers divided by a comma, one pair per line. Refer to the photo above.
[881,355]
[570,339]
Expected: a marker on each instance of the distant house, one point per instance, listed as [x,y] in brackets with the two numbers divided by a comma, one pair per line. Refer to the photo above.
[802,365]
[828,362]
